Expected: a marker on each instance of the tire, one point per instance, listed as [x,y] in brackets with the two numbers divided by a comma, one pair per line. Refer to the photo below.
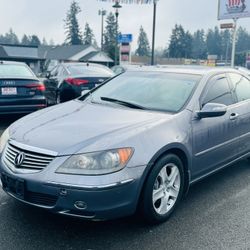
[161,193]
[58,98]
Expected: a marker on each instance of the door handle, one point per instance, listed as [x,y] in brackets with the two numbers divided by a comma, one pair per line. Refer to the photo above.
[233,116]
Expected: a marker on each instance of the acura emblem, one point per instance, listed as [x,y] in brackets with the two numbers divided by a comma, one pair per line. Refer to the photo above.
[19,159]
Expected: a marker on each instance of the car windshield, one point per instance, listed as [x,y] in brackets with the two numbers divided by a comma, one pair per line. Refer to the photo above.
[9,70]
[90,71]
[154,91]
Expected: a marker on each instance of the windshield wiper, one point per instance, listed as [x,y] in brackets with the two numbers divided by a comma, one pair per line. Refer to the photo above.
[124,103]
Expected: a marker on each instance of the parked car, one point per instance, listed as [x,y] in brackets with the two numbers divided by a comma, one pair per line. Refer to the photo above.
[20,89]
[134,144]
[68,80]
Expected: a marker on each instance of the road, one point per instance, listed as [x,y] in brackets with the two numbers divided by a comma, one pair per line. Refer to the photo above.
[214,215]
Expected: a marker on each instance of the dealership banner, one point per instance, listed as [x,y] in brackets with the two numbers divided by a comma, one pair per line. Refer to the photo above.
[231,9]
[129,1]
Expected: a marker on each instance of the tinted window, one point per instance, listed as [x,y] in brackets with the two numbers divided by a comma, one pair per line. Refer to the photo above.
[8,70]
[89,71]
[218,92]
[241,86]
[156,91]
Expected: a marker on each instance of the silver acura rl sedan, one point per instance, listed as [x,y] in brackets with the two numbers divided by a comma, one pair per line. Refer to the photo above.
[135,143]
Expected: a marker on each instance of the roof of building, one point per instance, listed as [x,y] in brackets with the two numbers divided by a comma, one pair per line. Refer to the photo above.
[63,52]
[18,51]
[60,53]
[96,56]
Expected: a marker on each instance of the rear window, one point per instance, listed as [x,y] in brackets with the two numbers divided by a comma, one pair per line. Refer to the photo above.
[9,70]
[89,71]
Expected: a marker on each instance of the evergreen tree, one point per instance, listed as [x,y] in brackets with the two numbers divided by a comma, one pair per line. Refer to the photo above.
[199,48]
[180,43]
[25,40]
[73,34]
[35,41]
[226,44]
[44,42]
[214,42]
[10,38]
[187,44]
[243,41]
[110,36]
[88,35]
[143,44]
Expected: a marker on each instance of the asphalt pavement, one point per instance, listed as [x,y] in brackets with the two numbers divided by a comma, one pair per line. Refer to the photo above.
[214,215]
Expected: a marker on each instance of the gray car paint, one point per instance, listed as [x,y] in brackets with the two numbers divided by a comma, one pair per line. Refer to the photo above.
[80,127]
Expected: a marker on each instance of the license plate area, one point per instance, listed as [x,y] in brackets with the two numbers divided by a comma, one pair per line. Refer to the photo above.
[13,186]
[9,91]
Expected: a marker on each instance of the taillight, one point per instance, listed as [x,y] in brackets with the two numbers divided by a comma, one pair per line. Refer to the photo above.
[37,86]
[76,82]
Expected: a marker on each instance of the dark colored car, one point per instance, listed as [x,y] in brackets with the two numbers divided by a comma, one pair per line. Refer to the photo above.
[68,80]
[20,89]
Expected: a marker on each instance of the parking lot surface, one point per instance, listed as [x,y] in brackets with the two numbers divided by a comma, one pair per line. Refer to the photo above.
[214,215]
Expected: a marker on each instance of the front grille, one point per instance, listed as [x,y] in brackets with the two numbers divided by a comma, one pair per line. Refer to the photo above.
[41,199]
[31,161]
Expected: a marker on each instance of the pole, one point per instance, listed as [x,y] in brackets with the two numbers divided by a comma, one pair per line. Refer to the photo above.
[116,37]
[234,43]
[153,36]
[102,32]
[102,13]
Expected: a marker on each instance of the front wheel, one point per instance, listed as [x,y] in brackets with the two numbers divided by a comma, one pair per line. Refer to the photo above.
[163,189]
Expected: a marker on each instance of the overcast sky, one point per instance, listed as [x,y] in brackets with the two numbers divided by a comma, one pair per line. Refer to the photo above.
[45,17]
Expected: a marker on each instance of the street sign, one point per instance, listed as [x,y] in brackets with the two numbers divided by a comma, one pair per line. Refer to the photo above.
[233,9]
[227,26]
[125,38]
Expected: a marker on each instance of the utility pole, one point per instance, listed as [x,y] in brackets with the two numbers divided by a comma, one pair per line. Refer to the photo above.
[153,36]
[116,6]
[102,13]
[234,42]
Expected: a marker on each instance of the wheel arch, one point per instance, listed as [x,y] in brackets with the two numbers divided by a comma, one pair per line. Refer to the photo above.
[178,150]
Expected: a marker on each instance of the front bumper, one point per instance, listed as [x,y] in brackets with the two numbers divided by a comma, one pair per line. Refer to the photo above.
[95,198]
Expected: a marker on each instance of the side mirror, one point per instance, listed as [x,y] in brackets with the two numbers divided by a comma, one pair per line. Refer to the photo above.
[212,110]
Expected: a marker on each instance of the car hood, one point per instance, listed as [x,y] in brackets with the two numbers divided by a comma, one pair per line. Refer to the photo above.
[70,127]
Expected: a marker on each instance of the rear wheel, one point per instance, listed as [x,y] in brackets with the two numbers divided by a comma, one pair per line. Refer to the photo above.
[163,189]
[58,98]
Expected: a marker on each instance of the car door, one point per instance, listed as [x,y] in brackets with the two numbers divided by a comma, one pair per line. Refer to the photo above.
[215,139]
[241,89]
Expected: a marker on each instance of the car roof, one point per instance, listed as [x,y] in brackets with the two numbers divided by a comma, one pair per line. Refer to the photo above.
[197,70]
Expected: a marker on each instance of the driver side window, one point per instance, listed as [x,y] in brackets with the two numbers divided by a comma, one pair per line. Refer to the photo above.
[218,92]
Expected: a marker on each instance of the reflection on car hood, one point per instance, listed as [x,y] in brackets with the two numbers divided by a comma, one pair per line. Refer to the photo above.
[71,126]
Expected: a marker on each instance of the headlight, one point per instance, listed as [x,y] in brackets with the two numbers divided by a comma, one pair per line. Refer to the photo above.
[4,139]
[97,163]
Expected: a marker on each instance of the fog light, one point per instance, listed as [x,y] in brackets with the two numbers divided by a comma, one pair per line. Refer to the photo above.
[81,205]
